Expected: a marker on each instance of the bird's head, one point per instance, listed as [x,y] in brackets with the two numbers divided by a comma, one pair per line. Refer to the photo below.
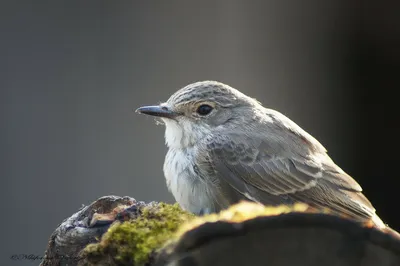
[197,110]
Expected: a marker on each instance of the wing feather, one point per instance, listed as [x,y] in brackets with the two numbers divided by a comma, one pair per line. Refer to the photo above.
[283,178]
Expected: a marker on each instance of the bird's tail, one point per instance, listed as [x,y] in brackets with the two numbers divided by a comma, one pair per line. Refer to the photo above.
[391,232]
[378,222]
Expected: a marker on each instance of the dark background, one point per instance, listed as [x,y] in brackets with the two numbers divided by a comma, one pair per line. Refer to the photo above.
[72,71]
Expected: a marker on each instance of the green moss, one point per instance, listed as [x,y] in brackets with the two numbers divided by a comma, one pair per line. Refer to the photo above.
[131,243]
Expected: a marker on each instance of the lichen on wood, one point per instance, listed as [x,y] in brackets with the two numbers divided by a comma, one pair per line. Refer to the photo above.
[138,241]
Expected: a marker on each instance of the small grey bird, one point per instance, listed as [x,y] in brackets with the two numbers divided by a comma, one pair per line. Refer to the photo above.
[225,147]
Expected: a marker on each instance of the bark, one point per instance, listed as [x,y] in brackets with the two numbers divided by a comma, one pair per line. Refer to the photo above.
[76,232]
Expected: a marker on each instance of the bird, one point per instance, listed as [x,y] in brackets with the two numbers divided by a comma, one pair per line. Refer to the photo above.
[225,147]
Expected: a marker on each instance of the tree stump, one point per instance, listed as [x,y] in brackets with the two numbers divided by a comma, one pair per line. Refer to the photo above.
[122,231]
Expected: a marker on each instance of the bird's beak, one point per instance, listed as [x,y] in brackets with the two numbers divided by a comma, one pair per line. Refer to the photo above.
[157,110]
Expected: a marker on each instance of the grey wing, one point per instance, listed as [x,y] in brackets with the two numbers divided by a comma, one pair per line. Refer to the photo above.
[250,170]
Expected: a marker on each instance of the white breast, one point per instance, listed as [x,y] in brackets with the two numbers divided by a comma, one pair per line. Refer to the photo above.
[191,192]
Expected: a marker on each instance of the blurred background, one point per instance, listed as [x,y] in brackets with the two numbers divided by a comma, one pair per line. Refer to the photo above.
[72,71]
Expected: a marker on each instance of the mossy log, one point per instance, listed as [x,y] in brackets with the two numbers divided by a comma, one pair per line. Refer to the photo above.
[122,231]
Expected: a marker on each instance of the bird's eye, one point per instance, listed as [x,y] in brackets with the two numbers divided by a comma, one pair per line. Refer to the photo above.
[204,109]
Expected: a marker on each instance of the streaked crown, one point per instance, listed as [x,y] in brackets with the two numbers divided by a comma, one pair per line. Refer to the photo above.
[214,91]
